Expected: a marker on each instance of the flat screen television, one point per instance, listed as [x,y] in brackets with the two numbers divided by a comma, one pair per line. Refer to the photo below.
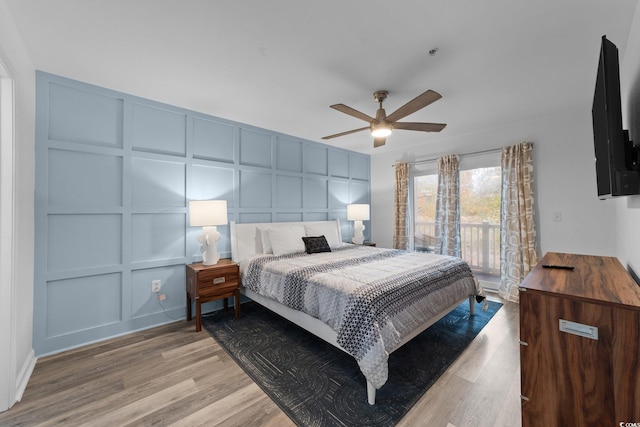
[616,157]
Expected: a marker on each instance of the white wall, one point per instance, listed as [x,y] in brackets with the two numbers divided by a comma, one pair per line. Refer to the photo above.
[564,173]
[16,351]
[628,208]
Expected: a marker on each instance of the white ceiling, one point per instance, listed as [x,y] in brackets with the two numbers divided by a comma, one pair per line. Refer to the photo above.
[279,64]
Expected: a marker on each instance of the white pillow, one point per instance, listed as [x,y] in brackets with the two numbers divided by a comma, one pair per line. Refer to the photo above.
[263,232]
[328,229]
[286,239]
[258,240]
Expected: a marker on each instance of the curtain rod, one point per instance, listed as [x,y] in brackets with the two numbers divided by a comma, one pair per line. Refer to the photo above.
[474,153]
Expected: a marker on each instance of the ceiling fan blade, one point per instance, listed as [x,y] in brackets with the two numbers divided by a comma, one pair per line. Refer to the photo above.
[425,127]
[344,133]
[379,142]
[414,105]
[352,112]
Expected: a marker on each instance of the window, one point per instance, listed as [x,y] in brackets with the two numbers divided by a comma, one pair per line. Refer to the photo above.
[425,194]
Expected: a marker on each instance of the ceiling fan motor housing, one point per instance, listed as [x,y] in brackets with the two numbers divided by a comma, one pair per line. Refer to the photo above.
[380,127]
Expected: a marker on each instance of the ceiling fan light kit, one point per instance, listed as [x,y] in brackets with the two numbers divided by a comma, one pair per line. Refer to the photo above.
[380,130]
[382,125]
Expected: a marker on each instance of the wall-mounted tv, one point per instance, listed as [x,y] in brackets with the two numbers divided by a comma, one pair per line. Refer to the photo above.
[616,157]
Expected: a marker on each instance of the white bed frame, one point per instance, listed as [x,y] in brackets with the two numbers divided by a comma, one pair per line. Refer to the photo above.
[244,243]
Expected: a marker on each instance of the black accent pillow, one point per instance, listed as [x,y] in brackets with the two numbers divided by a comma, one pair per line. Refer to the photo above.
[316,244]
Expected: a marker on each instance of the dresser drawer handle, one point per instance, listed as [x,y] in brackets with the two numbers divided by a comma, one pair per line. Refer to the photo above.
[218,280]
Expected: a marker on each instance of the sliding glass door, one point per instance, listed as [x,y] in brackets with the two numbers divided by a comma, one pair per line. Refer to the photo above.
[480,192]
[480,218]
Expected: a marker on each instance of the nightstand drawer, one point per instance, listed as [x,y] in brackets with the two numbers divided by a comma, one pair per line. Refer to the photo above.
[209,288]
[218,277]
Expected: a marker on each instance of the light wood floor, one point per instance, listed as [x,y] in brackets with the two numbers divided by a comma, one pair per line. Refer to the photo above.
[173,376]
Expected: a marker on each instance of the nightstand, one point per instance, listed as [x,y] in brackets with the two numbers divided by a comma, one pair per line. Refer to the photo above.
[212,282]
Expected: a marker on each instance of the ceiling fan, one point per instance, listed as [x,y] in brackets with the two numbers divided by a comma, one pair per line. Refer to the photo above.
[382,125]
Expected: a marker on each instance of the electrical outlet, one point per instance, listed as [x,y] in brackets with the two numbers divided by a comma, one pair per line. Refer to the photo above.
[155,286]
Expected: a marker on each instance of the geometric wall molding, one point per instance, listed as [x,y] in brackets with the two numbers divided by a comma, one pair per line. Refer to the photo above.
[114,175]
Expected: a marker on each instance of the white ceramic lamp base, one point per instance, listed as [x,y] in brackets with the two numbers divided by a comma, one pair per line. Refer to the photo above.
[358,232]
[209,249]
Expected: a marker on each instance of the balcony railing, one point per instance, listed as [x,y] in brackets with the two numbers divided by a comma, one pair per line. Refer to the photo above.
[480,244]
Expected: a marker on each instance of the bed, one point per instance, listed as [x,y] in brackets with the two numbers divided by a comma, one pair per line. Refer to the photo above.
[366,301]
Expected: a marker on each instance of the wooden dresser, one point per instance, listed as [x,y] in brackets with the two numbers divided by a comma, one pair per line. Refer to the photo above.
[590,374]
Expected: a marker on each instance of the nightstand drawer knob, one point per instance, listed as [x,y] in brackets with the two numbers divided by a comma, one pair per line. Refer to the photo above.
[218,280]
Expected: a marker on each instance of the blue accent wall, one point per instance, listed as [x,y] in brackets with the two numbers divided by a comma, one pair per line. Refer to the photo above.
[114,173]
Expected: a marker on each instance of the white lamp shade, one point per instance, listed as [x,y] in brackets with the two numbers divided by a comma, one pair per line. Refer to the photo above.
[358,212]
[203,213]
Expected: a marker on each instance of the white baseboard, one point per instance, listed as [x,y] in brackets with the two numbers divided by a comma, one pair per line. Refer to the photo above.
[489,286]
[24,375]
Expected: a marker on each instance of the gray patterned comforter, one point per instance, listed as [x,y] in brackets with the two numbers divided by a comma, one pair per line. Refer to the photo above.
[371,297]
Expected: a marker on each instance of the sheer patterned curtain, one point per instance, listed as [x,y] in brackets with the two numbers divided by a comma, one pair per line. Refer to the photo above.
[518,251]
[447,228]
[400,205]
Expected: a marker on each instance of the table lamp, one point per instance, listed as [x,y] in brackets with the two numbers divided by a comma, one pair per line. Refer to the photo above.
[358,213]
[208,214]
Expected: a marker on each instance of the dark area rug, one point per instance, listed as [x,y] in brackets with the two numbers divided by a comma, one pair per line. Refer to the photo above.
[317,384]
